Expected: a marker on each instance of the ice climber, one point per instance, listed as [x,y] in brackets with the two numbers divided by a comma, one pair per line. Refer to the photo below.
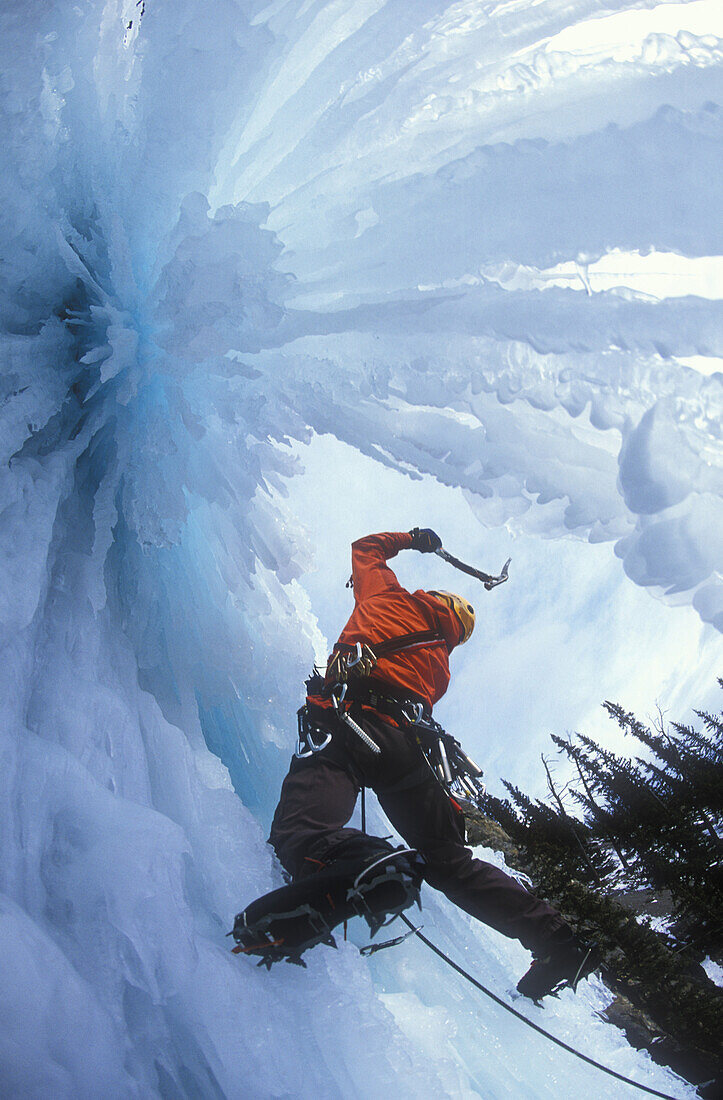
[364,716]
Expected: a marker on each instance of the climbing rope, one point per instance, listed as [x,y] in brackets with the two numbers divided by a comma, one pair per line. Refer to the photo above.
[535,1027]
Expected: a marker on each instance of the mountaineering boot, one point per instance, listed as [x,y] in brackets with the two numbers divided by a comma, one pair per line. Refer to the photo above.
[386,886]
[566,963]
[289,921]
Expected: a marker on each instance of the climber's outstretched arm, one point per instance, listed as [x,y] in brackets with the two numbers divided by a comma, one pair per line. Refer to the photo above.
[369,556]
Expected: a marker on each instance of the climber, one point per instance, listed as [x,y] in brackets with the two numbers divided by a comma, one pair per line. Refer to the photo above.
[388,669]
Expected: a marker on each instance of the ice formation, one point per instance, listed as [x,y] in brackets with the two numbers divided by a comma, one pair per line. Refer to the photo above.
[445,233]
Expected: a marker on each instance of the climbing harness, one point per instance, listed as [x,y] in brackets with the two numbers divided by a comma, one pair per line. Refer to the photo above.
[313,736]
[457,773]
[535,1027]
[348,667]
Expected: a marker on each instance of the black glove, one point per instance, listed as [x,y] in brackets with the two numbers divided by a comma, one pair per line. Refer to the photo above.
[426,540]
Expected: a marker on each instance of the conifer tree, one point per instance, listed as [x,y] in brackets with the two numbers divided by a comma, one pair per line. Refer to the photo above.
[651,822]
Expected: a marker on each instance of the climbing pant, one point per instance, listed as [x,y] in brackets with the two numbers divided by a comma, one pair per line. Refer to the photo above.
[318,798]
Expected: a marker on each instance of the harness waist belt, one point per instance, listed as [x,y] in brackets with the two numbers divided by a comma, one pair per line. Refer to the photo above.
[383,698]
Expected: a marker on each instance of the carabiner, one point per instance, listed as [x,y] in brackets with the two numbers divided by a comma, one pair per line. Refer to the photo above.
[336,702]
[306,746]
[412,712]
[352,662]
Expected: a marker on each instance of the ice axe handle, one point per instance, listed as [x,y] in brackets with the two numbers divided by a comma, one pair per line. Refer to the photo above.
[489,581]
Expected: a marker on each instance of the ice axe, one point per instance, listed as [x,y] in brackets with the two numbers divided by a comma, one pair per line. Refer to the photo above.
[488,581]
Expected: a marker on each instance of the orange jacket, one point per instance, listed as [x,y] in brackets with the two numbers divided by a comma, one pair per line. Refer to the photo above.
[383,610]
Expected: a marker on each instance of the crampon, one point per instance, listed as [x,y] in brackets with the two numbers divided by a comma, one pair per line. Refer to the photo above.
[287,922]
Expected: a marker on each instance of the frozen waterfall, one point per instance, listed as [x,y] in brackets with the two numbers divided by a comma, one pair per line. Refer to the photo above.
[274,275]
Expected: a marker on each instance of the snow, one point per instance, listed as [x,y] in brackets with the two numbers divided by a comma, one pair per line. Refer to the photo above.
[714,971]
[275,275]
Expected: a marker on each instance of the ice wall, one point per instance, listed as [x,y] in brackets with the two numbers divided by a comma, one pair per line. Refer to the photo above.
[225,226]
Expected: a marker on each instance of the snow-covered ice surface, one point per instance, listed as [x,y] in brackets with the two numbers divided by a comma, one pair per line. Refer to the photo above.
[475,242]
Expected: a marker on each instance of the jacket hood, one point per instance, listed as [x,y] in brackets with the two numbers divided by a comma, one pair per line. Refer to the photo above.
[442,618]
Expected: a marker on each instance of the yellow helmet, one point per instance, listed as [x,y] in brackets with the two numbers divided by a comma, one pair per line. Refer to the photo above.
[462,609]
